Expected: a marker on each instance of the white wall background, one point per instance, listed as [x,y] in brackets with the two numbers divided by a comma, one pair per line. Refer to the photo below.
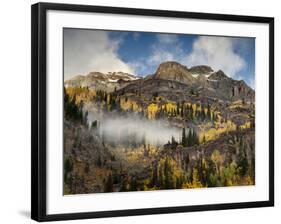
[15,110]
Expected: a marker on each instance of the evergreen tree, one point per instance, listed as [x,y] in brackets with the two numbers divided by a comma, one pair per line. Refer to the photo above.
[174,142]
[191,113]
[187,160]
[209,115]
[195,139]
[94,126]
[167,175]
[183,138]
[123,186]
[189,138]
[133,184]
[154,179]
[68,167]
[182,107]
[160,183]
[211,174]
[109,184]
[178,108]
[73,110]
[242,163]
[203,115]
[99,163]
[178,183]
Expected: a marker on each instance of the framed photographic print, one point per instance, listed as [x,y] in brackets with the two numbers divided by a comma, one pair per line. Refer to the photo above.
[139,111]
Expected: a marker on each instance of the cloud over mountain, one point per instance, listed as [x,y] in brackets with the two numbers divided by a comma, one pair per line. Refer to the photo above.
[140,53]
[88,50]
[217,52]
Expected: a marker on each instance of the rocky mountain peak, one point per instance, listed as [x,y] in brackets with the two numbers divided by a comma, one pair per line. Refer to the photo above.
[201,69]
[96,75]
[171,70]
[171,65]
[102,81]
[121,76]
[219,75]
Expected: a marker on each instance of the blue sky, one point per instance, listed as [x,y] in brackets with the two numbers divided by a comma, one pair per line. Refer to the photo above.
[141,53]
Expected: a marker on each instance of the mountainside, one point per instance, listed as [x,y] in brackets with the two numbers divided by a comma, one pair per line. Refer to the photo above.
[172,80]
[178,128]
[101,81]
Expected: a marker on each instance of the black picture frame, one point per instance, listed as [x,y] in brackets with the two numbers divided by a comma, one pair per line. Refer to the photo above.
[39,122]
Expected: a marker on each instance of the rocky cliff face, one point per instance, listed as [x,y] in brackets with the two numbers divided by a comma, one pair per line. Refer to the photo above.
[174,71]
[201,80]
[201,70]
[229,88]
[218,76]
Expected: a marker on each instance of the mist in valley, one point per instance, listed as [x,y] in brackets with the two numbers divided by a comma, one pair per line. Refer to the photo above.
[131,129]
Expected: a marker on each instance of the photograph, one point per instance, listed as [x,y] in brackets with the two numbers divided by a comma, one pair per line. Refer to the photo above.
[148,111]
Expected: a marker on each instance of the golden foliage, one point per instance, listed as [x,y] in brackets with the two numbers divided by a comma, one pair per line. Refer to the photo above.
[169,107]
[216,157]
[82,93]
[214,133]
[129,104]
[195,180]
[245,126]
[152,109]
[194,107]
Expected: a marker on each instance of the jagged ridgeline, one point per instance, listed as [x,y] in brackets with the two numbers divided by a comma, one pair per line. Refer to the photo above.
[178,128]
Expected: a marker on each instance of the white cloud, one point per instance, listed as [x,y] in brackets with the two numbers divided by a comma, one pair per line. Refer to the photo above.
[166,48]
[88,50]
[138,66]
[167,38]
[217,52]
[159,56]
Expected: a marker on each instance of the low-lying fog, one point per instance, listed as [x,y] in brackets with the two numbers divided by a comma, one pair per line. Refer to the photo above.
[133,129]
